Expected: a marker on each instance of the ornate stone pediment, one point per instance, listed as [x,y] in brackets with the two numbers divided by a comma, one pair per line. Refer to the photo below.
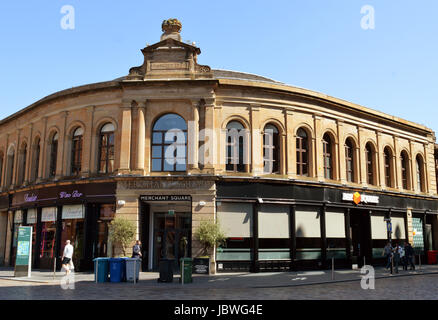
[170,58]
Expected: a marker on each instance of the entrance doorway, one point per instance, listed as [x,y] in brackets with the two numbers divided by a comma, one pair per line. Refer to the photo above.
[360,227]
[172,237]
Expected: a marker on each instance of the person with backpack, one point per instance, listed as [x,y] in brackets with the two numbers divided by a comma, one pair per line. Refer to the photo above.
[396,256]
[403,257]
[409,252]
[387,253]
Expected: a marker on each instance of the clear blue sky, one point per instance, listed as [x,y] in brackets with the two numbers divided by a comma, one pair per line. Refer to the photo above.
[315,44]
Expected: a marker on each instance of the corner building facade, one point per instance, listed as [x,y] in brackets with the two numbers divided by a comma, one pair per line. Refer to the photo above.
[294,177]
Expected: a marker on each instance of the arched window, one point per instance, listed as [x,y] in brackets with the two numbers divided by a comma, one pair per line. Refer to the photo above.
[22,164]
[236,156]
[349,160]
[302,145]
[420,173]
[36,159]
[76,151]
[10,167]
[405,170]
[169,144]
[387,155]
[53,155]
[327,156]
[106,148]
[271,149]
[369,159]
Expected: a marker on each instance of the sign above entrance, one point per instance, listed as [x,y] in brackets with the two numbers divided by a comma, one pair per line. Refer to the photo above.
[359,198]
[166,198]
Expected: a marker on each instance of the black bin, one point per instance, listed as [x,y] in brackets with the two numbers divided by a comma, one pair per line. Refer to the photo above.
[166,270]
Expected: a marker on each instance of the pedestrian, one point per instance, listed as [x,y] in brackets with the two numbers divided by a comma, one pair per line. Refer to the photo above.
[387,253]
[396,256]
[136,250]
[409,252]
[403,256]
[67,257]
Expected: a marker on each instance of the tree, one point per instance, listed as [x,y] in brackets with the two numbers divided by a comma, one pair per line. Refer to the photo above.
[122,232]
[209,234]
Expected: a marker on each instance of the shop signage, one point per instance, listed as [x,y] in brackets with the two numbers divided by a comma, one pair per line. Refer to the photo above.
[50,196]
[48,214]
[157,185]
[360,198]
[201,265]
[31,216]
[24,252]
[166,198]
[73,212]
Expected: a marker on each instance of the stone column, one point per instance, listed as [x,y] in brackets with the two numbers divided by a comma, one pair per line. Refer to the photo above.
[61,167]
[410,235]
[317,149]
[193,139]
[125,139]
[29,162]
[290,145]
[397,165]
[413,168]
[141,131]
[341,164]
[16,158]
[209,152]
[380,161]
[88,149]
[256,143]
[43,157]
[362,160]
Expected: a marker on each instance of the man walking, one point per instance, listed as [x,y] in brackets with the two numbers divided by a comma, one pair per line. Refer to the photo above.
[396,256]
[67,256]
[409,252]
[387,253]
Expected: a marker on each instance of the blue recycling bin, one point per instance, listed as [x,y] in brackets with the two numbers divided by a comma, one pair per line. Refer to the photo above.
[117,269]
[101,269]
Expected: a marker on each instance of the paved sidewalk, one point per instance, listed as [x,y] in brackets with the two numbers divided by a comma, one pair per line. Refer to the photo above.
[227,280]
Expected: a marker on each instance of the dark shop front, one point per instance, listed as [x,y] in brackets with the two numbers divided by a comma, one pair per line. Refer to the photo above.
[77,212]
[282,227]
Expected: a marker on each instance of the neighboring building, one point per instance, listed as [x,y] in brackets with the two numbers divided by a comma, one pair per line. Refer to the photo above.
[294,176]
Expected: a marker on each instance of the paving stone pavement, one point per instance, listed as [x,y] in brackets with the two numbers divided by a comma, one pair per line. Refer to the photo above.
[245,286]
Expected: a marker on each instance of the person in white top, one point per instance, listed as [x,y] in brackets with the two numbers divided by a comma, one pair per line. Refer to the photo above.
[67,257]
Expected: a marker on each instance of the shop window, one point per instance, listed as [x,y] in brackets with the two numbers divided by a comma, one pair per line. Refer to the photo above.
[370,164]
[31,221]
[328,156]
[387,155]
[302,146]
[420,173]
[48,237]
[271,149]
[73,230]
[308,233]
[169,144]
[236,221]
[106,149]
[236,143]
[76,151]
[349,160]
[103,245]
[53,155]
[335,234]
[274,236]
[405,170]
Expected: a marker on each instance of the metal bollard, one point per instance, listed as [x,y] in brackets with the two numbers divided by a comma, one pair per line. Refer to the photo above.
[419,262]
[364,261]
[54,268]
[182,272]
[333,268]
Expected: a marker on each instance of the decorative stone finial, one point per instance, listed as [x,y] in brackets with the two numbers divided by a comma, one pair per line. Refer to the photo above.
[171,29]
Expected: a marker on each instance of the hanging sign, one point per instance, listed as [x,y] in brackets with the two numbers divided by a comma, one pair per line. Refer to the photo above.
[73,212]
[31,216]
[48,214]
[24,252]
[18,217]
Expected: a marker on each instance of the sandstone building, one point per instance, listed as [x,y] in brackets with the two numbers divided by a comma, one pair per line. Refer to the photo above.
[294,177]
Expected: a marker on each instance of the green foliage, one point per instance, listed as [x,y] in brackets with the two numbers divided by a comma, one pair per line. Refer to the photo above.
[122,232]
[209,234]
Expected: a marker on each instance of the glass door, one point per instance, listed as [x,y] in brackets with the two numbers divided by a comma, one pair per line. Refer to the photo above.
[172,237]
